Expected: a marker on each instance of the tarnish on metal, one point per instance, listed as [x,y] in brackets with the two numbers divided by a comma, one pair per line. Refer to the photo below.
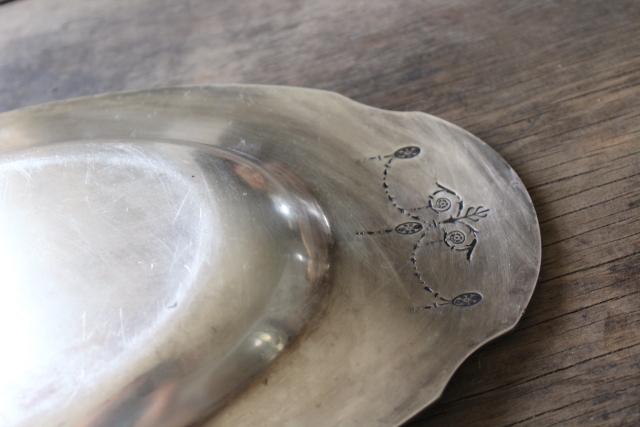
[248,255]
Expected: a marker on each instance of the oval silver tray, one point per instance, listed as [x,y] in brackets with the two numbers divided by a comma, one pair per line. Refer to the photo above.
[250,255]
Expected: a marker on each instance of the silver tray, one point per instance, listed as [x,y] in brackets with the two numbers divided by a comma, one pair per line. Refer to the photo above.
[250,255]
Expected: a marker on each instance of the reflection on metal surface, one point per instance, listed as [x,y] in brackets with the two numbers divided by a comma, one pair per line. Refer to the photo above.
[110,246]
[165,257]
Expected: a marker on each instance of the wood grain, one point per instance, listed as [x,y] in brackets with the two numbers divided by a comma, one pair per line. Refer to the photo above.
[554,86]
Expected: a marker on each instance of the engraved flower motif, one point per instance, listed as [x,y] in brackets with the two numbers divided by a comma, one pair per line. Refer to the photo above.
[406,152]
[410,227]
[455,238]
[445,203]
[467,299]
[441,204]
[459,236]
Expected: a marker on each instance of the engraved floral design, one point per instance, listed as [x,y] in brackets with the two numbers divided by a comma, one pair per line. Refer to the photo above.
[459,236]
[411,227]
[467,299]
[452,221]
[406,152]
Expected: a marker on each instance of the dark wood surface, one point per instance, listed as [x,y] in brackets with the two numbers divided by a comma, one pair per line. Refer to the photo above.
[554,86]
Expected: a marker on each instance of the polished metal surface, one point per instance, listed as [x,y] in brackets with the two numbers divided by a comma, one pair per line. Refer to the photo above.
[256,255]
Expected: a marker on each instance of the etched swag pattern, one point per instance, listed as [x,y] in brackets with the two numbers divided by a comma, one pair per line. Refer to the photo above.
[454,221]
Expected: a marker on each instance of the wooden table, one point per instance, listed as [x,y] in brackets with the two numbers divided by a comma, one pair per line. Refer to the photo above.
[554,86]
